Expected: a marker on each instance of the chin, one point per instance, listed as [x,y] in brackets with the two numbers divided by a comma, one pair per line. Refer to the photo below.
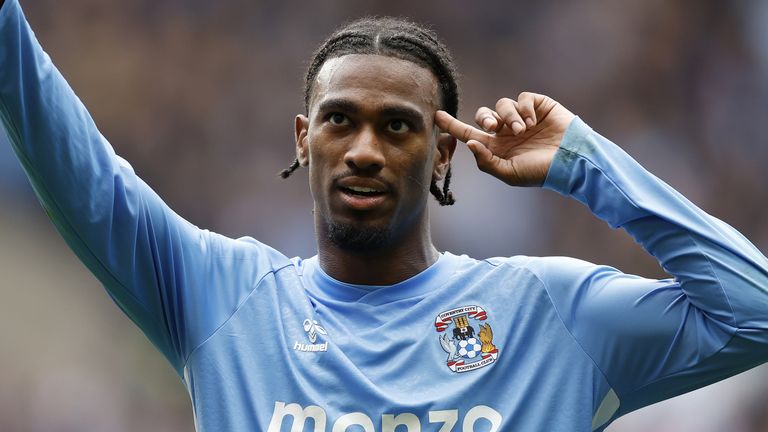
[358,237]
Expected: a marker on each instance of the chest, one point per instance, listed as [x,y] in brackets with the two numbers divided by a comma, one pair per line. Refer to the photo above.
[446,354]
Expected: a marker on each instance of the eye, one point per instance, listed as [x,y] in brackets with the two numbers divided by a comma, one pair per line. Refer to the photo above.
[338,119]
[398,127]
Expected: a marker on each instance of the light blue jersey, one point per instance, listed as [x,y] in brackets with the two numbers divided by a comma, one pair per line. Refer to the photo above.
[267,343]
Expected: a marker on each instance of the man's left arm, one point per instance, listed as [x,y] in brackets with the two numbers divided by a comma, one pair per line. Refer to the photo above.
[651,339]
[657,339]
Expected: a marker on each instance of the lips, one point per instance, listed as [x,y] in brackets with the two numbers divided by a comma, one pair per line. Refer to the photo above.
[362,190]
[362,194]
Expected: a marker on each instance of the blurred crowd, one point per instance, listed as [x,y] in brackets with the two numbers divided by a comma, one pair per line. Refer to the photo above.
[200,97]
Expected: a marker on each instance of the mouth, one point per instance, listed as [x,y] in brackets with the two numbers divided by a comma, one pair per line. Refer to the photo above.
[362,197]
[361,191]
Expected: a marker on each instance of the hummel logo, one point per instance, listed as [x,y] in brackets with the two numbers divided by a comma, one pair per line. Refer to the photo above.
[313,328]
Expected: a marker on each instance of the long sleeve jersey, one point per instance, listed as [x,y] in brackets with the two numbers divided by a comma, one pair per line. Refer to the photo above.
[267,343]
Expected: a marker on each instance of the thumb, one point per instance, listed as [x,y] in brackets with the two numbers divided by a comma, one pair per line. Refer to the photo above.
[483,155]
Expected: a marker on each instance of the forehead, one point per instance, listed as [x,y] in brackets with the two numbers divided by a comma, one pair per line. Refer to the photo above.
[375,79]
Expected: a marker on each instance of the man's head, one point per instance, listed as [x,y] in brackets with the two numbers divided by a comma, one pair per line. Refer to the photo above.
[368,136]
[392,37]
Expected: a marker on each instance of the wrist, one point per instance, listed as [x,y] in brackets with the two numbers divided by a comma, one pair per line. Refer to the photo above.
[560,169]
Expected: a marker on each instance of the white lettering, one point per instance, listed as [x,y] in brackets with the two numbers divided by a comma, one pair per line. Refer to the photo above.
[478,412]
[352,419]
[447,417]
[389,422]
[310,347]
[299,415]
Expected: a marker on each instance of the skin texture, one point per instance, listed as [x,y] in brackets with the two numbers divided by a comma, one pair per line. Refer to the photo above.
[355,134]
[517,140]
[373,121]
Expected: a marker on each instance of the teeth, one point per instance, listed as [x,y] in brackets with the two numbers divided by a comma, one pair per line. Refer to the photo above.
[362,189]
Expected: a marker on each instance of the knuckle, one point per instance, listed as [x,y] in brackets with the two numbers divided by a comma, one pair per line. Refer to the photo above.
[525,95]
[511,117]
[466,133]
[503,101]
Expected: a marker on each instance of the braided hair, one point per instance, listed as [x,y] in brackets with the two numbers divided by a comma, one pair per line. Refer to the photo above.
[399,38]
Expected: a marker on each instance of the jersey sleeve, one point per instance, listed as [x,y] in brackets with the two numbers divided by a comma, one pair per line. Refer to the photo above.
[655,339]
[178,283]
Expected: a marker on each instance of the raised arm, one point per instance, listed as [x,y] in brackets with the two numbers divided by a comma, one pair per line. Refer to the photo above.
[651,339]
[175,281]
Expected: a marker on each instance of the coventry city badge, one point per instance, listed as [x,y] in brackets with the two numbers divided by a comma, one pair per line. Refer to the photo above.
[466,350]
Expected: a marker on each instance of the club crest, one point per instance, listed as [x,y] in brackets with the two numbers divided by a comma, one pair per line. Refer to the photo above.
[467,348]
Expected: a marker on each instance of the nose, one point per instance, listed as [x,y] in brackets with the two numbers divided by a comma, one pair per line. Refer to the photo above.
[365,152]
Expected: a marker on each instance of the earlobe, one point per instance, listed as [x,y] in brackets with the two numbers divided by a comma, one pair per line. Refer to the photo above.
[301,129]
[446,145]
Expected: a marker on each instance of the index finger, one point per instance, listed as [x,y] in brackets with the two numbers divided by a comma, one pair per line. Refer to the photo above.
[458,129]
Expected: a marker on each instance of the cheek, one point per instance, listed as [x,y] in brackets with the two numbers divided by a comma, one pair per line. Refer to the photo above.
[321,168]
[313,162]
[323,148]
[317,174]
[423,158]
[418,169]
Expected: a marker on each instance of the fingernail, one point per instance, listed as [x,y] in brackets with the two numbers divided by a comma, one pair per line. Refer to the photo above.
[488,123]
[516,128]
[529,121]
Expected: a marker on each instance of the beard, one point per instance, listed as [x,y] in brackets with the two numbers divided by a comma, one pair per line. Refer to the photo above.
[355,238]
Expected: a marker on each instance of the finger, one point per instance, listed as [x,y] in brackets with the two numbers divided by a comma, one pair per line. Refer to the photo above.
[483,155]
[487,119]
[507,110]
[526,108]
[486,160]
[459,129]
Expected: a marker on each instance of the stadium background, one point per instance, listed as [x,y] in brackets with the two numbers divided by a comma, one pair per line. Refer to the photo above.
[200,97]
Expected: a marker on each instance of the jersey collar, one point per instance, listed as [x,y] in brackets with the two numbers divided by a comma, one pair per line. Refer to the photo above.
[319,283]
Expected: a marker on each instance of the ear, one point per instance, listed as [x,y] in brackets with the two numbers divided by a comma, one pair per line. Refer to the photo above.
[446,145]
[302,147]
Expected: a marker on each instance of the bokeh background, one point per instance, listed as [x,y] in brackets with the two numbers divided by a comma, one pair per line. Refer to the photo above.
[200,97]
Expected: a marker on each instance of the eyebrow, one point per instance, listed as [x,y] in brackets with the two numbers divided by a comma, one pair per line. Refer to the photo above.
[399,111]
[343,105]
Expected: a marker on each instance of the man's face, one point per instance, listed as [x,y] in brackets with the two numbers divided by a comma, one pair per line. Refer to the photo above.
[372,148]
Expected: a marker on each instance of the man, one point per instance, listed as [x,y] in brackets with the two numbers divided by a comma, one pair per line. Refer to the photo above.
[381,330]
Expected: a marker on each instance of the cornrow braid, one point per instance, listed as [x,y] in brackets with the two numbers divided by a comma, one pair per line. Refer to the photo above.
[444,196]
[394,37]
[288,171]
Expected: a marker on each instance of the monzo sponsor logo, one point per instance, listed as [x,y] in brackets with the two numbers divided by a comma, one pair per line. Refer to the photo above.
[296,416]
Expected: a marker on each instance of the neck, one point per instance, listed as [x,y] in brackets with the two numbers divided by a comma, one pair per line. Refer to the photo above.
[408,255]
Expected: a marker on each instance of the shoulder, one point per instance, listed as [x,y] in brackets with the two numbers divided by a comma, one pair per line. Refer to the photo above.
[554,272]
[244,254]
[546,269]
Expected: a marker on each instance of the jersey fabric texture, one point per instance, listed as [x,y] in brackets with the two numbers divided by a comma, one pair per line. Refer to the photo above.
[267,343]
